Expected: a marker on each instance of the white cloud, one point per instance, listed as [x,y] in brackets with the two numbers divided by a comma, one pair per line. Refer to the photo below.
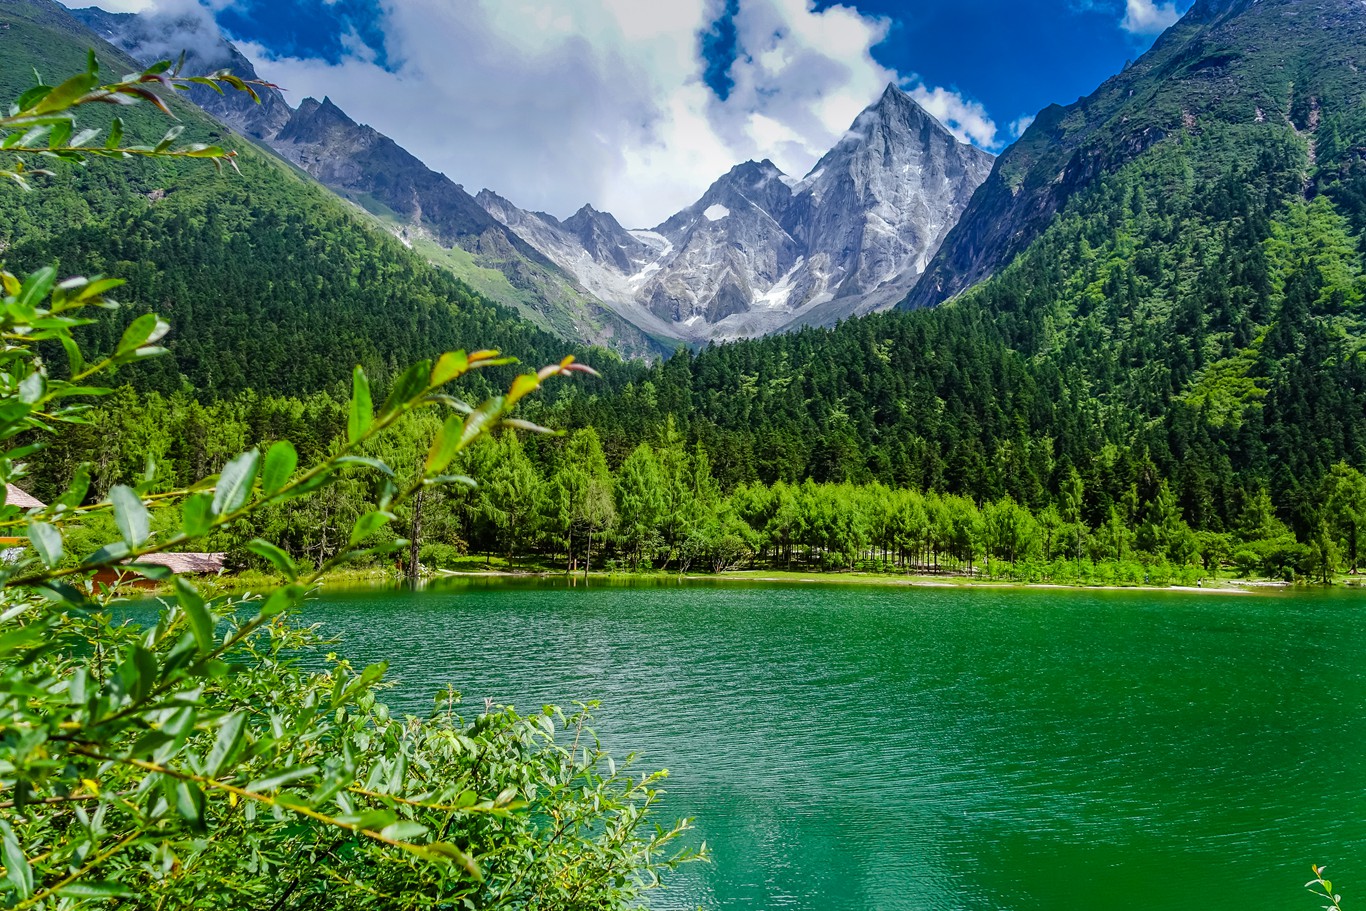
[967,120]
[173,26]
[1020,124]
[555,104]
[1148,17]
[118,6]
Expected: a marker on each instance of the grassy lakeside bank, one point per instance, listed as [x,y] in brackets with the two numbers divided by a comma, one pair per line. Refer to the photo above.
[255,580]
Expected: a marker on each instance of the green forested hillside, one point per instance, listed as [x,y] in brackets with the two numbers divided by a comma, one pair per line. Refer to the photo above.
[269,281]
[1227,63]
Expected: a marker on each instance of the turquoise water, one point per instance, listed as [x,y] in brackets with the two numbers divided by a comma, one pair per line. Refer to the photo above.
[846,748]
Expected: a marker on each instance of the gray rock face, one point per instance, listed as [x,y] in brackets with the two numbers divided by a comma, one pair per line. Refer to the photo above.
[605,240]
[761,251]
[880,203]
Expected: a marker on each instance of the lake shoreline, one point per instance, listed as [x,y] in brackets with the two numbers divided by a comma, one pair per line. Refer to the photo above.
[1236,587]
[252,580]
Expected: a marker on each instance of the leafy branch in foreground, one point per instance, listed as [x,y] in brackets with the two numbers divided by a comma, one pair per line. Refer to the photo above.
[41,122]
[1323,888]
[194,763]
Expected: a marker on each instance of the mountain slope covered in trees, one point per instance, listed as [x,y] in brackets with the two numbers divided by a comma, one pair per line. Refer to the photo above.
[1259,67]
[1179,342]
[429,211]
[269,281]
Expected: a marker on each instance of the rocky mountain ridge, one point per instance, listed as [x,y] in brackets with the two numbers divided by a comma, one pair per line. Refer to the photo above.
[423,207]
[761,251]
[758,253]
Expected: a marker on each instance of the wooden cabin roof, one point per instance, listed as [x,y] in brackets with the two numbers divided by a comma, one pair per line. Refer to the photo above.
[188,563]
[16,497]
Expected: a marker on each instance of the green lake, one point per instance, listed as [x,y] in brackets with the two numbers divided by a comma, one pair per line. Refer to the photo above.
[858,747]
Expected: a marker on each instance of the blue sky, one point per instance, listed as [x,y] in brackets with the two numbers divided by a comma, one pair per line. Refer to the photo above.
[1014,56]
[636,105]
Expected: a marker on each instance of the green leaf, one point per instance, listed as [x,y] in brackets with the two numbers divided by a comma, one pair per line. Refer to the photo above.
[370,819]
[32,387]
[201,621]
[153,571]
[522,386]
[197,514]
[404,830]
[17,869]
[99,888]
[441,850]
[115,134]
[446,445]
[144,670]
[109,553]
[235,482]
[478,422]
[367,462]
[281,461]
[462,479]
[130,515]
[142,331]
[279,779]
[33,96]
[408,388]
[63,95]
[73,354]
[47,541]
[189,802]
[368,524]
[227,744]
[450,365]
[37,286]
[282,599]
[362,409]
[171,136]
[277,557]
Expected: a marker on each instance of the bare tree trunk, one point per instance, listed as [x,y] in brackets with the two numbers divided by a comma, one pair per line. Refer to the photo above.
[415,538]
[588,557]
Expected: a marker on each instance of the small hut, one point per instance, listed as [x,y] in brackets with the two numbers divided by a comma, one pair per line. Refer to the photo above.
[190,564]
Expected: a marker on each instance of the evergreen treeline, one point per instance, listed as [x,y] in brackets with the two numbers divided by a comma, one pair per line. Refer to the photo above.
[562,502]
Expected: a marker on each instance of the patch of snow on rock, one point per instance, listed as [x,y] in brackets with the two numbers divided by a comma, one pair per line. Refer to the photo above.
[716,212]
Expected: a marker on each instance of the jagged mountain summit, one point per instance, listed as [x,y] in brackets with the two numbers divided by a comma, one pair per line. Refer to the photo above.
[761,251]
[424,208]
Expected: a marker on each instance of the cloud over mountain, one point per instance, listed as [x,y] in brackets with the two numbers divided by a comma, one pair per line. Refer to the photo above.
[605,101]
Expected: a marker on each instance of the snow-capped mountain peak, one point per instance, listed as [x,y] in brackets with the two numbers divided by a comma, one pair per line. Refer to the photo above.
[760,250]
